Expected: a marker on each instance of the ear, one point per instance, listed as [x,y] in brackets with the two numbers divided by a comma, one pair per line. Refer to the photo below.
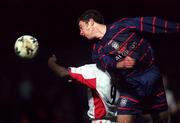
[91,21]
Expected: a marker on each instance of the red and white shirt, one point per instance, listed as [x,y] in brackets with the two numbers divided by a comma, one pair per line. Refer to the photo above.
[102,95]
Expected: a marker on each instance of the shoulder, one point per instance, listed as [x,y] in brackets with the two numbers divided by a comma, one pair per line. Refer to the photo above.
[123,22]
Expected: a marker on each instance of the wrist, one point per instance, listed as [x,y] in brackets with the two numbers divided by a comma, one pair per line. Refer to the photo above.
[52,65]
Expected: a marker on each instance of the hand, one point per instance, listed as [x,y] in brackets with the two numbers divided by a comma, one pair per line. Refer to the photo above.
[52,61]
[126,63]
[58,69]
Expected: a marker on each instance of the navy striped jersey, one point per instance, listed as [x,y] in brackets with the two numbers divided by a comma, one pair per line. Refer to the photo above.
[122,39]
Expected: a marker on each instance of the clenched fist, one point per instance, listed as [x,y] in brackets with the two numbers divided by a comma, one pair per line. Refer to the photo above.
[52,61]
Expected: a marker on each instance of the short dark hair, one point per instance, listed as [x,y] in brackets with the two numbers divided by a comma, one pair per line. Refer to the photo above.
[94,14]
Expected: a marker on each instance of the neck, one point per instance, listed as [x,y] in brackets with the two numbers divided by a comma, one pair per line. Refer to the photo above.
[101,30]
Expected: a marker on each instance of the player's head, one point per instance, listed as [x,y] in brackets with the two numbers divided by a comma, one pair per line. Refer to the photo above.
[86,22]
[91,14]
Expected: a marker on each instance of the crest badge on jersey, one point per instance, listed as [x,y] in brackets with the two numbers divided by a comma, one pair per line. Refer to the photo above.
[115,45]
[123,102]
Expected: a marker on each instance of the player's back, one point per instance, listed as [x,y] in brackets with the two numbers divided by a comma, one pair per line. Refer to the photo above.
[102,93]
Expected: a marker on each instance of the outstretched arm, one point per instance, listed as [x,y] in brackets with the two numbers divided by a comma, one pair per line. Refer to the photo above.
[84,74]
[58,69]
[153,25]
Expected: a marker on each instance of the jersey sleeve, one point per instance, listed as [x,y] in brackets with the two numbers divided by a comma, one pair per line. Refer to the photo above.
[152,25]
[84,74]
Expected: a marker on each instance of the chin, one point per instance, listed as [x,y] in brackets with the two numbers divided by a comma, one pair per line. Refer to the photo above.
[90,38]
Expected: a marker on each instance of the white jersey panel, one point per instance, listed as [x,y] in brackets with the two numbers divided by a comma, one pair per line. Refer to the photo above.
[103,87]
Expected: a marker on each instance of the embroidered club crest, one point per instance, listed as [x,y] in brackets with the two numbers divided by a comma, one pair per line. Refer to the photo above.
[115,45]
[123,102]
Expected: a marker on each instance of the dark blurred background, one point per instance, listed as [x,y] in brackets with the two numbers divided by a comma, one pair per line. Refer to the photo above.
[30,92]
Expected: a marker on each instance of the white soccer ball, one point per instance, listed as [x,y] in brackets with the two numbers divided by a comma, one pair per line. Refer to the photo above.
[26,47]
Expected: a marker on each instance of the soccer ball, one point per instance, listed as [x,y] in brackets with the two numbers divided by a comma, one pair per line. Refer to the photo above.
[26,47]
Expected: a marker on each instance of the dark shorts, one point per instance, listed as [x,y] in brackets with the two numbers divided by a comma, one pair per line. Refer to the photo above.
[143,93]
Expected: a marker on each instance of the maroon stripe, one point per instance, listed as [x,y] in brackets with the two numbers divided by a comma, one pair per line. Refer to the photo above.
[116,36]
[165,26]
[159,94]
[100,48]
[127,40]
[136,46]
[177,27]
[102,56]
[94,46]
[102,62]
[153,25]
[160,105]
[122,19]
[123,108]
[141,23]
[145,53]
[129,98]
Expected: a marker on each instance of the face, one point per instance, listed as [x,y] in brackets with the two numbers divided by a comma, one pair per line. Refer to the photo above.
[86,29]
